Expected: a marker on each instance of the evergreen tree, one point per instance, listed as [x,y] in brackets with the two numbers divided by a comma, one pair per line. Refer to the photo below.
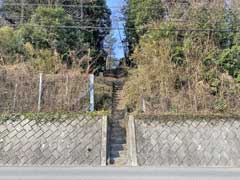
[88,23]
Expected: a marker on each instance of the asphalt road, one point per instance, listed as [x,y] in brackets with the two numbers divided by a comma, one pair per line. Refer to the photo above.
[60,173]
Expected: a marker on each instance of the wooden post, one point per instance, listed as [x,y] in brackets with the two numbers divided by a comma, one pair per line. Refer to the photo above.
[40,91]
[91,77]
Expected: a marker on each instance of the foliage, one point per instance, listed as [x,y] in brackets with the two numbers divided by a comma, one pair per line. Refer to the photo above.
[229,60]
[43,30]
[190,66]
[52,27]
[49,117]
[10,45]
[43,60]
[138,15]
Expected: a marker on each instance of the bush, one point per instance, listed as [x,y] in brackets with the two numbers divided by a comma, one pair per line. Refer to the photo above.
[10,46]
[192,69]
[229,60]
[43,60]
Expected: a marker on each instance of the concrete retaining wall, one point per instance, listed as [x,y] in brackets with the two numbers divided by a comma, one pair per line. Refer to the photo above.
[188,141]
[76,140]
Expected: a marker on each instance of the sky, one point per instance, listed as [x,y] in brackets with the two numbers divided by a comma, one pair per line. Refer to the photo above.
[116,14]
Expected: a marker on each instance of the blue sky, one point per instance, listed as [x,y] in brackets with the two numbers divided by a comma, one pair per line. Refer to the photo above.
[116,14]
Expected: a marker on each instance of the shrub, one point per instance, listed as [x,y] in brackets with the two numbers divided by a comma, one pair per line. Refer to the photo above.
[229,60]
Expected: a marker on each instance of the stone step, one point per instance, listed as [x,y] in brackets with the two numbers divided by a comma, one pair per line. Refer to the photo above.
[118,147]
[118,133]
[118,154]
[115,108]
[120,112]
[118,85]
[117,88]
[116,104]
[119,125]
[117,113]
[117,140]
[117,116]
[117,96]
[117,93]
[117,121]
[116,101]
[118,129]
[119,161]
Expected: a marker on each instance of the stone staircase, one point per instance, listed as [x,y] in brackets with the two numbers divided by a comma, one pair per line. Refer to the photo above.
[118,152]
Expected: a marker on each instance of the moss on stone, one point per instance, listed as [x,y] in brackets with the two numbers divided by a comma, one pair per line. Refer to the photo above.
[48,117]
[185,116]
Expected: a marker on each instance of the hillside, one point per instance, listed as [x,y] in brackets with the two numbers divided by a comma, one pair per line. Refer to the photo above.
[186,56]
[54,33]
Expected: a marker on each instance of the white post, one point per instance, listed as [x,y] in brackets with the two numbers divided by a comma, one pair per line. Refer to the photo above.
[15,97]
[104,141]
[66,94]
[91,77]
[40,91]
[22,11]
[81,10]
[227,6]
[132,142]
[143,105]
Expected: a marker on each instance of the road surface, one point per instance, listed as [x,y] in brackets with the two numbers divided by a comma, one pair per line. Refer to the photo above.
[71,173]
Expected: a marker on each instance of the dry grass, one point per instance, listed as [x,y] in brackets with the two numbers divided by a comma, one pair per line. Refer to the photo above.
[19,90]
[170,88]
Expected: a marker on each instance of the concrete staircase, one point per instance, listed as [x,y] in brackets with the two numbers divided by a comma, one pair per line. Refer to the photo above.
[118,146]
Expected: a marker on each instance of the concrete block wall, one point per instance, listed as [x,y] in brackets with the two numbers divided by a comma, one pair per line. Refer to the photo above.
[81,140]
[77,140]
[187,141]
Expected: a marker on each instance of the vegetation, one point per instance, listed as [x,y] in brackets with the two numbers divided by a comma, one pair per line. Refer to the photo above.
[138,15]
[54,33]
[48,117]
[191,64]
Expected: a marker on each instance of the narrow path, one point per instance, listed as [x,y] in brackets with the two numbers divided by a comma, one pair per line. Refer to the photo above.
[118,144]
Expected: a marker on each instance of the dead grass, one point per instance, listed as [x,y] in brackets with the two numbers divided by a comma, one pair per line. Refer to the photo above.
[19,90]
